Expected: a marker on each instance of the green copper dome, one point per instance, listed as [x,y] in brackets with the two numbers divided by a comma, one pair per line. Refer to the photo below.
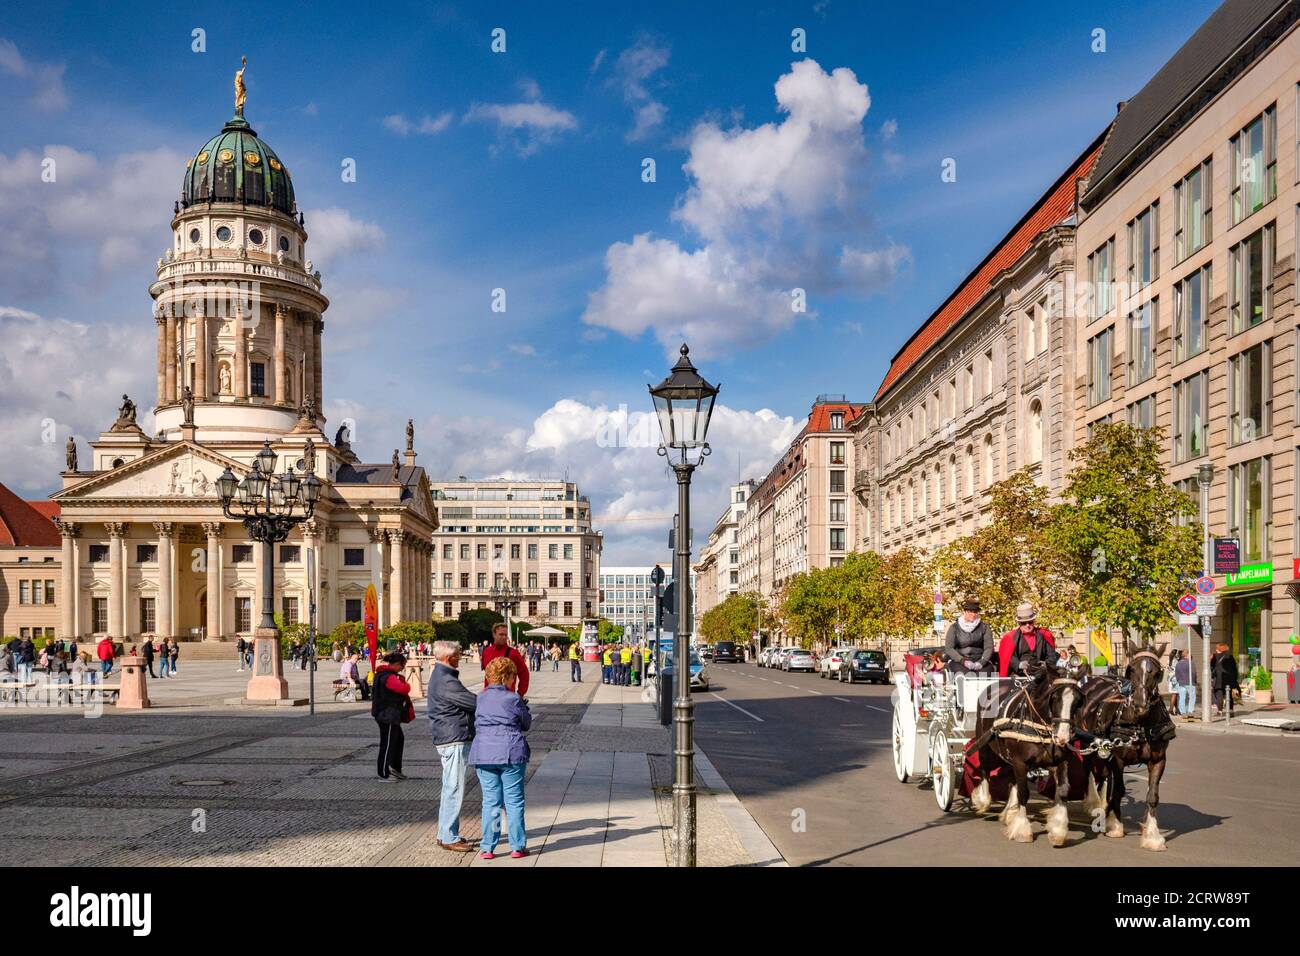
[237,167]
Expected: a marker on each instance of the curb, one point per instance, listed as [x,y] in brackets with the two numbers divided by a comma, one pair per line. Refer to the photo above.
[762,851]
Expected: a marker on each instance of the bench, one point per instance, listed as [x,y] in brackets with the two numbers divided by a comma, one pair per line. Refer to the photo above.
[346,689]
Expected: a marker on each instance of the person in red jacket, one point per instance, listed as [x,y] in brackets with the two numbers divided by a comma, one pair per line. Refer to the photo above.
[499,648]
[1027,643]
[390,705]
[104,651]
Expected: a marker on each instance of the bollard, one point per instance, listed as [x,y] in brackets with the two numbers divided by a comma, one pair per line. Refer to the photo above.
[665,697]
[134,694]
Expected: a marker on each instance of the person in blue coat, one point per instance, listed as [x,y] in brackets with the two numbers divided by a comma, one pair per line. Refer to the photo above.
[499,755]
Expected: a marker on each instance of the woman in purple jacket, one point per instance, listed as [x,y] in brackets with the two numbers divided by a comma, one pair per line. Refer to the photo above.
[499,755]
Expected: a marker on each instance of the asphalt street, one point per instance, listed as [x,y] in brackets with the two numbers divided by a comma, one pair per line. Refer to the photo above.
[811,761]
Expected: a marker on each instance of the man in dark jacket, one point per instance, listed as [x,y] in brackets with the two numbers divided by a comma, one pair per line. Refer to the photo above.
[968,644]
[147,649]
[391,707]
[1223,674]
[451,714]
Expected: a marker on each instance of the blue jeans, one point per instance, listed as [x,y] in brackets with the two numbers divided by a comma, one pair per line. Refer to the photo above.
[108,667]
[164,665]
[495,780]
[575,671]
[1186,699]
[453,790]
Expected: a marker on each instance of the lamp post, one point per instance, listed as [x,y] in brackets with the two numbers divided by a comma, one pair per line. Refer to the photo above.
[269,505]
[683,403]
[1205,478]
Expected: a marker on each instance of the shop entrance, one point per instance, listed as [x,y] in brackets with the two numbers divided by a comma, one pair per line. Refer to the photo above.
[1249,623]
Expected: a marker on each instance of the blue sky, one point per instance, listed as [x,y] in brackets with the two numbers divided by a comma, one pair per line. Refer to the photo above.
[522,170]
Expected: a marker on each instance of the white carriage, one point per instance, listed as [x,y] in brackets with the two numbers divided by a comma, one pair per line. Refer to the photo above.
[935,713]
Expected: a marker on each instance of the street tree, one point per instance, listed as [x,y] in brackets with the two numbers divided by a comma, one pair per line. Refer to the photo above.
[732,620]
[478,623]
[1012,559]
[1126,532]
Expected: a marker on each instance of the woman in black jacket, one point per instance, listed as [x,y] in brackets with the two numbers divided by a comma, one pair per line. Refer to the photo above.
[969,642]
[390,705]
[1223,671]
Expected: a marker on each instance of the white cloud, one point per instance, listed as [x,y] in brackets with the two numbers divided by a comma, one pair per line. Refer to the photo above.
[888,129]
[595,64]
[530,124]
[633,70]
[43,380]
[426,126]
[109,207]
[45,80]
[333,232]
[777,207]
[523,348]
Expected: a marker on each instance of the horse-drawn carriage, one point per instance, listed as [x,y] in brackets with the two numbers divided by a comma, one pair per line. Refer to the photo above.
[935,715]
[986,738]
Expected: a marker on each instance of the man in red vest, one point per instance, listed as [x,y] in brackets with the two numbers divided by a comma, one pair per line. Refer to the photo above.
[500,648]
[1026,643]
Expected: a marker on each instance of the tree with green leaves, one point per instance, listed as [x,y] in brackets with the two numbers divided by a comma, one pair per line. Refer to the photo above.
[1012,559]
[1123,531]
[451,630]
[478,623]
[732,620]
[906,582]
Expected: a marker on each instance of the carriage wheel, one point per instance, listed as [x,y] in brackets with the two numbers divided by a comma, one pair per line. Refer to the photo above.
[941,770]
[900,764]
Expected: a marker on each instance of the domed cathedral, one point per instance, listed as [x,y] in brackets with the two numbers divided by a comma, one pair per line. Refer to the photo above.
[147,547]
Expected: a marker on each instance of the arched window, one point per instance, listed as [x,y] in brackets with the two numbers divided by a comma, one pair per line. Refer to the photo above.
[1035,449]
[988,461]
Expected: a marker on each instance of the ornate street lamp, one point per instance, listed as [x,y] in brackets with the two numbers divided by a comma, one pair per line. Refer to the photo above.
[505,595]
[683,403]
[1205,478]
[269,506]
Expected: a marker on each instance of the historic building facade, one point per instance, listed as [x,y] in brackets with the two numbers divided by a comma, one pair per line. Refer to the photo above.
[718,571]
[801,515]
[1187,244]
[238,306]
[29,568]
[983,388]
[535,535]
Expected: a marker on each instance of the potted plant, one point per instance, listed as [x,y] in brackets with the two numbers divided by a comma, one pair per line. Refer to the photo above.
[1263,685]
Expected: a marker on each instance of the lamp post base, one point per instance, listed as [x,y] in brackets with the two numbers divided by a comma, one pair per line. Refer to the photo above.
[267,682]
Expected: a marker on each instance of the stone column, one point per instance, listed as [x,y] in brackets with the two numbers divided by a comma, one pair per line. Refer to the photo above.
[278,391]
[385,578]
[178,345]
[163,394]
[318,326]
[200,355]
[163,612]
[308,342]
[241,357]
[116,592]
[70,573]
[169,370]
[213,563]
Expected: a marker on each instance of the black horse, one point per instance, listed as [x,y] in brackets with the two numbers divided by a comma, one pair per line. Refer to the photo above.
[1130,720]
[1029,730]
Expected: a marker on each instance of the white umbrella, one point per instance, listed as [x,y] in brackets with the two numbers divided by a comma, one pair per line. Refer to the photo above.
[545,631]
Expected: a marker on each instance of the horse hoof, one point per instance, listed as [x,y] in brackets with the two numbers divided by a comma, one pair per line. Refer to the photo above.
[981,799]
[1115,828]
[1152,838]
[1018,828]
[1058,825]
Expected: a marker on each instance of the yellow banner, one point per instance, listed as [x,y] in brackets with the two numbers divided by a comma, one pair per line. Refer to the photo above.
[1101,645]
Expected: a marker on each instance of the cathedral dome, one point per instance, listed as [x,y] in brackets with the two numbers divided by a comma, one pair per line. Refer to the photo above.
[235,166]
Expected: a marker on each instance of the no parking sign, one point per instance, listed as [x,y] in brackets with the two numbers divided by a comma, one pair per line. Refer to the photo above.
[1187,604]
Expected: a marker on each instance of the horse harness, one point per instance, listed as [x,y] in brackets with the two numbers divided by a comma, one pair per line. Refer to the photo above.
[1037,731]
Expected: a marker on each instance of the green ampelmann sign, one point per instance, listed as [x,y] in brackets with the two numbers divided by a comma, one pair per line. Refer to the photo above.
[1251,575]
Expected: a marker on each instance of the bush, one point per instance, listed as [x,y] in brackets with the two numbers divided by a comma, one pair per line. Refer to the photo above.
[1263,679]
[409,631]
[347,634]
[452,631]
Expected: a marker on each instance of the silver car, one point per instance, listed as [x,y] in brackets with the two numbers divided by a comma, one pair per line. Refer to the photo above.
[797,659]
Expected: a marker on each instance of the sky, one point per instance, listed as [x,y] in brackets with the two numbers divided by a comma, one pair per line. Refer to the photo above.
[763,181]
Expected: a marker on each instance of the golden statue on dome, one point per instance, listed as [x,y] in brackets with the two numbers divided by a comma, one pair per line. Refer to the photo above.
[240,91]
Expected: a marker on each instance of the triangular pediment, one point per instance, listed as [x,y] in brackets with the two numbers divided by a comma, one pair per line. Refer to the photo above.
[183,471]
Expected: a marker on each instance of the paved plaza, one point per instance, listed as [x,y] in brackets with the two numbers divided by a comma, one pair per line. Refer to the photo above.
[196,781]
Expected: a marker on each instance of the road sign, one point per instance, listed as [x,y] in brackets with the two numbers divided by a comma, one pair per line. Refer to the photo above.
[1207,605]
[1204,585]
[1187,604]
[1186,619]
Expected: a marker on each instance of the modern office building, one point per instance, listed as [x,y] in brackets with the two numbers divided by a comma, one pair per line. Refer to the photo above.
[532,534]
[627,595]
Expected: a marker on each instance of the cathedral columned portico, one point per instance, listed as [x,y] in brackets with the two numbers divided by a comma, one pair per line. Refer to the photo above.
[238,311]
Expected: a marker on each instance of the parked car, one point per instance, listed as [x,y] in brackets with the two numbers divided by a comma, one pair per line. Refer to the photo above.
[797,659]
[706,652]
[829,666]
[726,651]
[765,656]
[777,660]
[699,671]
[865,666]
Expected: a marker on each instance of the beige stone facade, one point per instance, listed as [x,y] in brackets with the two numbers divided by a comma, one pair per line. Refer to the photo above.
[718,571]
[801,516]
[29,592]
[536,535]
[1186,249]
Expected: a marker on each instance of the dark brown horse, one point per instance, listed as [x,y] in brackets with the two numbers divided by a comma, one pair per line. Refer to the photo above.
[1132,719]
[1029,730]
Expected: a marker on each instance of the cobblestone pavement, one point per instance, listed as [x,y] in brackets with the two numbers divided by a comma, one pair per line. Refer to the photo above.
[194,781]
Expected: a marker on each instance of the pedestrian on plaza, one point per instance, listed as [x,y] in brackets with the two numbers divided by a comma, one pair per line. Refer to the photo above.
[555,658]
[499,755]
[391,707]
[81,671]
[575,663]
[635,664]
[451,716]
[60,674]
[1184,676]
[104,651]
[606,665]
[26,659]
[173,650]
[1026,644]
[241,647]
[1223,668]
[500,649]
[147,648]
[625,662]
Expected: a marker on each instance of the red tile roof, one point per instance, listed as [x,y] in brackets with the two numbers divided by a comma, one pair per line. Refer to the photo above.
[22,524]
[1054,207]
[50,509]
